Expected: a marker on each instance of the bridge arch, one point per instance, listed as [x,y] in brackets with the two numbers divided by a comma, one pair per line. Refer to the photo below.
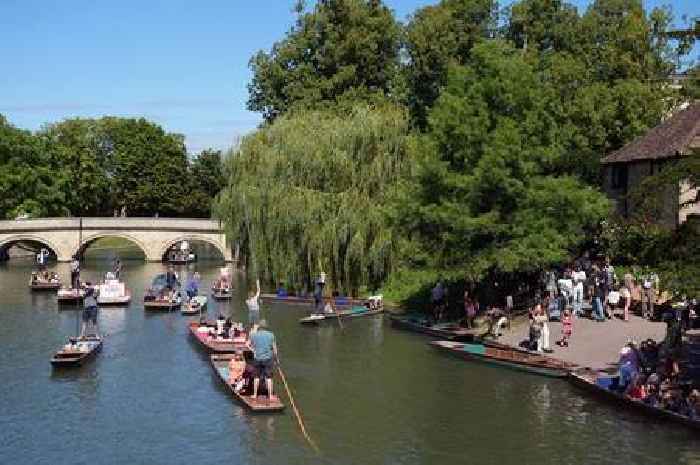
[193,238]
[91,238]
[8,242]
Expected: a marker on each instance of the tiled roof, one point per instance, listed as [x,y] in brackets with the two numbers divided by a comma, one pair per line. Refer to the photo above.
[671,138]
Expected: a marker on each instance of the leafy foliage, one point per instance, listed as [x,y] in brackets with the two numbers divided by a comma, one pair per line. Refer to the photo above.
[306,194]
[30,182]
[341,50]
[484,196]
[436,37]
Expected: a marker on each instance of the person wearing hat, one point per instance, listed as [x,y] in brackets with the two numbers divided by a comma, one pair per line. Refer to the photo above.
[264,348]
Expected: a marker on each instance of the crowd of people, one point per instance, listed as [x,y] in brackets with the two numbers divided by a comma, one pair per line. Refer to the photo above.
[650,373]
[45,277]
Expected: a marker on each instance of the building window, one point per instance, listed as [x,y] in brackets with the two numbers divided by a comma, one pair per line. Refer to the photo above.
[619,177]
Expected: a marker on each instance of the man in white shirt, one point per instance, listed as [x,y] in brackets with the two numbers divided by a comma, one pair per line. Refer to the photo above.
[579,277]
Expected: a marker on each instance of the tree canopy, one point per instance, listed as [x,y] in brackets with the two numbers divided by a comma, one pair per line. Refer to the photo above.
[94,167]
[30,181]
[485,195]
[307,193]
[341,49]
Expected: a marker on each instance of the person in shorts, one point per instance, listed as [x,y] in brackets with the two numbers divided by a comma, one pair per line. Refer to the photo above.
[264,348]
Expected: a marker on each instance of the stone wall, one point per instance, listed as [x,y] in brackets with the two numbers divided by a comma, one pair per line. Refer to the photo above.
[153,235]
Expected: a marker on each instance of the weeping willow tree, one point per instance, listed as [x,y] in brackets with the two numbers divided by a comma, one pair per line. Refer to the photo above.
[307,194]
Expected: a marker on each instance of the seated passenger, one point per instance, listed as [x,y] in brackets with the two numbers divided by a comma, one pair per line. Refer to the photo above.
[220,321]
[281,291]
[636,390]
[694,404]
[248,374]
[236,367]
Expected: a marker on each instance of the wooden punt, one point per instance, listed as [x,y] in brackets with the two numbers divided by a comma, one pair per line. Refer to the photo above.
[196,305]
[507,356]
[447,331]
[161,304]
[70,296]
[78,352]
[220,346]
[262,404]
[44,286]
[588,380]
[221,294]
[296,300]
[354,312]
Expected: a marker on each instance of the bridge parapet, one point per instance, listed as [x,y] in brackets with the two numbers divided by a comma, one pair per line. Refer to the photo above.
[152,235]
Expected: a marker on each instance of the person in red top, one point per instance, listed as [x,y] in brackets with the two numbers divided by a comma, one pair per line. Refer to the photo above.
[567,328]
[636,390]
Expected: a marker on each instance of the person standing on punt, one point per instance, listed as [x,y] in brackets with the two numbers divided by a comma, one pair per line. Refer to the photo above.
[75,273]
[89,311]
[318,294]
[264,348]
[253,303]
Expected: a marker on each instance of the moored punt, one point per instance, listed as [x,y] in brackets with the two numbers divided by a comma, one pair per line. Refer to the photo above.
[113,292]
[162,304]
[221,293]
[70,296]
[599,385]
[354,312]
[77,351]
[44,286]
[448,331]
[296,300]
[262,404]
[201,333]
[508,357]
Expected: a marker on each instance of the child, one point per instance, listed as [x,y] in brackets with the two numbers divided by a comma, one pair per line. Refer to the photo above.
[567,326]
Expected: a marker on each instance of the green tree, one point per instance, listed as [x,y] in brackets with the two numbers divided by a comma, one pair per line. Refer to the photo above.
[30,183]
[77,146]
[306,194]
[485,196]
[207,178]
[342,49]
[436,37]
[148,167]
[113,163]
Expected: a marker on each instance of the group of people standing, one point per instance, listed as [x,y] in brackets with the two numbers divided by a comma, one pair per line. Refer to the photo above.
[598,284]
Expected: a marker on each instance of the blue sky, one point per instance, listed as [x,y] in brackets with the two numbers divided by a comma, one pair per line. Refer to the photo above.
[181,63]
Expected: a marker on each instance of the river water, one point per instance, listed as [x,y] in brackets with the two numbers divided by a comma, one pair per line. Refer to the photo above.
[369,395]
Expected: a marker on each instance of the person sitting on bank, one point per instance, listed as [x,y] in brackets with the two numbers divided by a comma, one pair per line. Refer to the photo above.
[264,348]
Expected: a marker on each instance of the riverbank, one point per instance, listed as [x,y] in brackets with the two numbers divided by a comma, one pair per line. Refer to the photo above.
[593,344]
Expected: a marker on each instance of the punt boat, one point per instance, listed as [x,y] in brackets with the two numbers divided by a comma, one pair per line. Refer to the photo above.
[506,356]
[296,300]
[196,305]
[202,334]
[446,331]
[262,404]
[70,296]
[354,312]
[600,385]
[77,351]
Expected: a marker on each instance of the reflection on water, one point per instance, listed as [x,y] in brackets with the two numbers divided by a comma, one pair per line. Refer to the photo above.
[369,394]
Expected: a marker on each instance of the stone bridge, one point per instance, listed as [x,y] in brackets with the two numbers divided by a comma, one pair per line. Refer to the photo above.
[68,236]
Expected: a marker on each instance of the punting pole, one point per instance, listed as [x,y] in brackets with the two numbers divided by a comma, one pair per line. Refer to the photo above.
[296,412]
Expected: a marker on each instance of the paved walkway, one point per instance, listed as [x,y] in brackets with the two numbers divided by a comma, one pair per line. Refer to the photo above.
[592,344]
